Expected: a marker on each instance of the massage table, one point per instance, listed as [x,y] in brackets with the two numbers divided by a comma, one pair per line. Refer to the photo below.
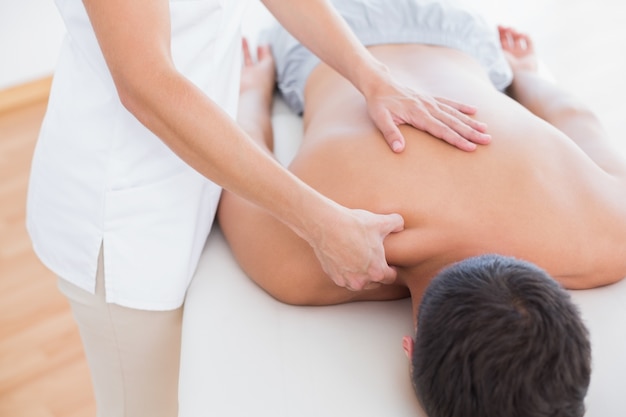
[246,354]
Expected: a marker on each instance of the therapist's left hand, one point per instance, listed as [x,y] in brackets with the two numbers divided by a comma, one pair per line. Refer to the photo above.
[391,104]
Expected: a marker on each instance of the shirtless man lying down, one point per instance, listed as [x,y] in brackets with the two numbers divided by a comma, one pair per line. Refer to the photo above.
[549,189]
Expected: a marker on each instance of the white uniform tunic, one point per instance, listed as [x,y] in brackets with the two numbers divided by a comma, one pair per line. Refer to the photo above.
[100,177]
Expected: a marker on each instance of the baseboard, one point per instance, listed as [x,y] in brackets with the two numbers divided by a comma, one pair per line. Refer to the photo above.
[24,94]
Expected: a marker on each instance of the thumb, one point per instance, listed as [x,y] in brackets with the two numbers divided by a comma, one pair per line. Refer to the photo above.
[390,275]
[392,223]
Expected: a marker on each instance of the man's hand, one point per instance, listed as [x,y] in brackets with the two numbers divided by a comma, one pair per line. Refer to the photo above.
[351,249]
[390,105]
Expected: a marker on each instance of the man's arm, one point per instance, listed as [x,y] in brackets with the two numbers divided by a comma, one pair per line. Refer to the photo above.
[551,103]
[256,94]
[319,27]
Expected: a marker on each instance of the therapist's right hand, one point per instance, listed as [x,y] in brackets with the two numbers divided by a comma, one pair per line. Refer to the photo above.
[351,251]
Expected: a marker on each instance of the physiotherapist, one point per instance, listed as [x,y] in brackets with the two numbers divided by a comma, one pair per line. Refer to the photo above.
[138,138]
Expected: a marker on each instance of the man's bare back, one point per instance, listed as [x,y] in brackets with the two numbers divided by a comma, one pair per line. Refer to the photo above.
[533,193]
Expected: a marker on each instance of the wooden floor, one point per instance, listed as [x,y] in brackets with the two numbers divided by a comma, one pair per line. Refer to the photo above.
[43,372]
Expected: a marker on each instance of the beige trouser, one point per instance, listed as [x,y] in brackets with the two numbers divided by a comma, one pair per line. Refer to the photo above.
[133,355]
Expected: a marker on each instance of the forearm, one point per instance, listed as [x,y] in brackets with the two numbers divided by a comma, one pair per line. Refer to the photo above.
[570,115]
[547,100]
[207,139]
[187,120]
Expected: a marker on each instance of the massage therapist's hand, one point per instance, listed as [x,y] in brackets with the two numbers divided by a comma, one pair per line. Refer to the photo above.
[350,248]
[390,105]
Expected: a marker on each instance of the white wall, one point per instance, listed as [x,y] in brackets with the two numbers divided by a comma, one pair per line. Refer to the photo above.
[31,32]
[30,37]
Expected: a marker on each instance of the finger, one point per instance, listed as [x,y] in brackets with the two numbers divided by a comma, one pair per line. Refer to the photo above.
[516,46]
[501,31]
[262,52]
[463,108]
[442,131]
[429,122]
[247,57]
[372,286]
[529,43]
[520,42]
[356,285]
[452,126]
[390,131]
[460,115]
[506,38]
[458,124]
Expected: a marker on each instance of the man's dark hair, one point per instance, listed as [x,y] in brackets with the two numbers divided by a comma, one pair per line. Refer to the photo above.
[498,337]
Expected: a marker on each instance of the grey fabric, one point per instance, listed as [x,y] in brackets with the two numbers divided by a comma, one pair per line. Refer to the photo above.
[447,23]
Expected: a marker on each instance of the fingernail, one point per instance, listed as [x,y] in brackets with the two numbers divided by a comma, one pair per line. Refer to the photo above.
[396,146]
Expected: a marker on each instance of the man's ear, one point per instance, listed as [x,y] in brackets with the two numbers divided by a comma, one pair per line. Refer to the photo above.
[407,346]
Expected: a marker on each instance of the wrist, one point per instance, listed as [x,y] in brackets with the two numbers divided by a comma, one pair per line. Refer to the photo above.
[370,75]
[315,216]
